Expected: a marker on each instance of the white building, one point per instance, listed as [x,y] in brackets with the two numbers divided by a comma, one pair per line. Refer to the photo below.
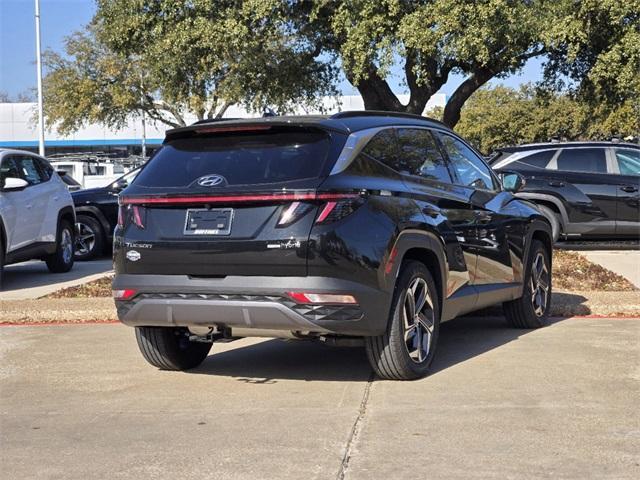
[18,128]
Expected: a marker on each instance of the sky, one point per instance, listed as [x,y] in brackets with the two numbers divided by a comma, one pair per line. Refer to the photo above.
[60,18]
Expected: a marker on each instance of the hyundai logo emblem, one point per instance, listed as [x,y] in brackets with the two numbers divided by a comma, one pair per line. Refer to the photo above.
[212,181]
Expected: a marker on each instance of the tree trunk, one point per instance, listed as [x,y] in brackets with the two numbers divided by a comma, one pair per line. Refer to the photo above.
[452,109]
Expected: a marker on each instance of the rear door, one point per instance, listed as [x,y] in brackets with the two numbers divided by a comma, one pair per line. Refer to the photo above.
[218,202]
[499,227]
[582,178]
[627,169]
[426,174]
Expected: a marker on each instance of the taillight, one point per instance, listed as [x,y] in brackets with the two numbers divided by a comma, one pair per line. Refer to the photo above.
[132,213]
[306,297]
[126,294]
[336,210]
[292,213]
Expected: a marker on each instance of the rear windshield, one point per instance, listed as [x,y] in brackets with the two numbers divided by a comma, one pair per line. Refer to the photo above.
[239,158]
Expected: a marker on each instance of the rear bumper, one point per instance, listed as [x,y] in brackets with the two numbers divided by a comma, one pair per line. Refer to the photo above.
[250,302]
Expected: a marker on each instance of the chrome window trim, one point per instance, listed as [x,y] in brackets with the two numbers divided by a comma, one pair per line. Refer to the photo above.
[353,146]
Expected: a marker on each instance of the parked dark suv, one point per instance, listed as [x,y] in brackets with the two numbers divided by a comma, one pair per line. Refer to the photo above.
[362,226]
[586,189]
[97,214]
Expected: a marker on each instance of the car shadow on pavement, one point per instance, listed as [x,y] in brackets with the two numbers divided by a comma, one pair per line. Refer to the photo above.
[272,360]
[467,337]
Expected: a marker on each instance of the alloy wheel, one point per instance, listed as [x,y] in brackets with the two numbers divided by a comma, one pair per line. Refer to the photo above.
[418,320]
[539,284]
[86,239]
[66,243]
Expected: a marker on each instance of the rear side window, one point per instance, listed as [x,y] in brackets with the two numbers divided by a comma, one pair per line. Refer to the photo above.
[45,169]
[628,161]
[583,160]
[420,154]
[538,159]
[384,148]
[239,158]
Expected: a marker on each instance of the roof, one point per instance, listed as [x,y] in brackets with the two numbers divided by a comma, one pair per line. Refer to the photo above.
[344,122]
[550,145]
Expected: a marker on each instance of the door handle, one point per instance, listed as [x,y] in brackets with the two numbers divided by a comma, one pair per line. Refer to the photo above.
[556,183]
[28,205]
[629,188]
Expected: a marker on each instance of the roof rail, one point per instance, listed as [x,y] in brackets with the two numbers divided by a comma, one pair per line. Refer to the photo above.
[381,113]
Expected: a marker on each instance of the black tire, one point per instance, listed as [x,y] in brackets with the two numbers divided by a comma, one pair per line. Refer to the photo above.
[169,348]
[90,238]
[62,261]
[531,311]
[1,260]
[556,226]
[389,353]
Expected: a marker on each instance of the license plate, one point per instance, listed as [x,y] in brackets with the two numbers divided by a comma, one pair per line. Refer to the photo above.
[208,222]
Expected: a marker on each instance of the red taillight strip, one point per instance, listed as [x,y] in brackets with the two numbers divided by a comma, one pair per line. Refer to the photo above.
[279,197]
[326,211]
[243,128]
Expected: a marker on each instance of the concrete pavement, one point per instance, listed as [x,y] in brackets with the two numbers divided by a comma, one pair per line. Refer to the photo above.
[31,279]
[79,402]
[625,263]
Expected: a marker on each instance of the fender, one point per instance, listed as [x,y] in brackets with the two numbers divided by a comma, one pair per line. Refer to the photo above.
[537,224]
[547,198]
[405,241]
[95,211]
[67,211]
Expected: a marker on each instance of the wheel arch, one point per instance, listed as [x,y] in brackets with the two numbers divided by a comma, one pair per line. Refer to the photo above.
[540,230]
[67,213]
[97,215]
[422,246]
[551,201]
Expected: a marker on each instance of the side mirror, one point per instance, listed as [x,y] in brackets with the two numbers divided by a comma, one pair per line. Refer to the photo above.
[119,185]
[12,183]
[512,181]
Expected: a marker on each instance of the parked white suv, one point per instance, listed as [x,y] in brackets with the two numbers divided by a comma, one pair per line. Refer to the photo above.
[37,217]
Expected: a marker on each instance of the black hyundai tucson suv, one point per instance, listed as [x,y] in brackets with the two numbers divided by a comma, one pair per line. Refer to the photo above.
[587,190]
[361,226]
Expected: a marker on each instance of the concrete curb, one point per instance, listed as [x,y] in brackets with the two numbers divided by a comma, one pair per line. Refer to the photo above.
[81,310]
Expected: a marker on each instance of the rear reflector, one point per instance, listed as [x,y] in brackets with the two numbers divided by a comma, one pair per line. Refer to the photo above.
[302,297]
[271,197]
[127,294]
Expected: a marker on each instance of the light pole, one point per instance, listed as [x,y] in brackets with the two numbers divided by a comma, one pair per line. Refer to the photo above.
[39,69]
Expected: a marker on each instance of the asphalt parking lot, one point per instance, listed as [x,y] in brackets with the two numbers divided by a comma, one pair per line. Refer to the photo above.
[79,402]
[28,280]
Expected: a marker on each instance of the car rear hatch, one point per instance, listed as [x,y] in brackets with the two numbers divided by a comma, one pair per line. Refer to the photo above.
[219,201]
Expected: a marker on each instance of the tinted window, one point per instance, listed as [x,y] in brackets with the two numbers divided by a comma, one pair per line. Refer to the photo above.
[29,168]
[383,147]
[420,155]
[538,159]
[583,160]
[470,169]
[45,169]
[241,159]
[628,161]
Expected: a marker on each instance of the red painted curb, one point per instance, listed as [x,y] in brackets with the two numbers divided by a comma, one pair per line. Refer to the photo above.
[48,324]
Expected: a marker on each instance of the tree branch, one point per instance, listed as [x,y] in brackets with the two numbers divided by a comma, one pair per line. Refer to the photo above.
[452,109]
